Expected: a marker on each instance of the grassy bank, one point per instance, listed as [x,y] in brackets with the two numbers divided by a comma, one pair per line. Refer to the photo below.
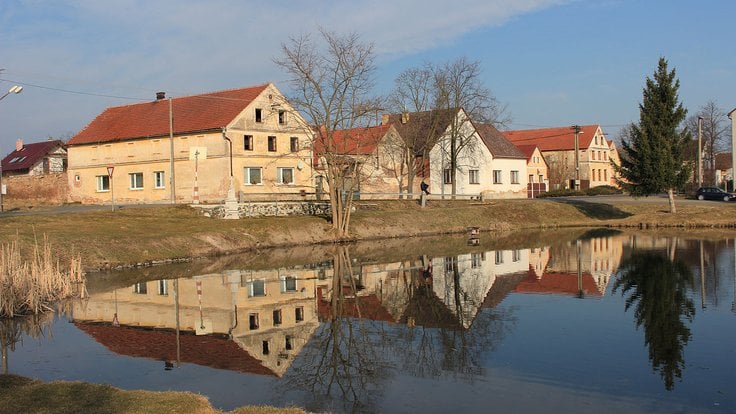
[131,236]
[23,395]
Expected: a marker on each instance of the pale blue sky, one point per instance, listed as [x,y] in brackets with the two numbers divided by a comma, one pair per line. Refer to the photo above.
[551,62]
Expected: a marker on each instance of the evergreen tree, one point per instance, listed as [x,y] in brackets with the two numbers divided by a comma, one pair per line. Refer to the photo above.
[652,158]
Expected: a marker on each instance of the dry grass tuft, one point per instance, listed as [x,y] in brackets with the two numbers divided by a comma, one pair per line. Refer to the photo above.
[32,286]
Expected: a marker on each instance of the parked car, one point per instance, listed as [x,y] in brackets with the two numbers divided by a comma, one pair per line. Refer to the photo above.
[713,193]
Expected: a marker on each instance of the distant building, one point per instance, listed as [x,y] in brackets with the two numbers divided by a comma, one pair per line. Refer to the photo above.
[557,145]
[40,158]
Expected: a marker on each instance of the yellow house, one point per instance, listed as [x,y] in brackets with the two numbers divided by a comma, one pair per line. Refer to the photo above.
[558,148]
[536,169]
[186,149]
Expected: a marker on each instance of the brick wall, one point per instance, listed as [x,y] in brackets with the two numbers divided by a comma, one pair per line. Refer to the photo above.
[51,188]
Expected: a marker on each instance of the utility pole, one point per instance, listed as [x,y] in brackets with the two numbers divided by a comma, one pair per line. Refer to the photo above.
[577,130]
[171,159]
[700,151]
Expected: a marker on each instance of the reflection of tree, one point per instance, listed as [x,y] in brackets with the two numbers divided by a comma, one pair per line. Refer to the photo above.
[440,343]
[342,363]
[657,286]
[13,329]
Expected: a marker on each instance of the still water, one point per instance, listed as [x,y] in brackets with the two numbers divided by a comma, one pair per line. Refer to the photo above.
[566,321]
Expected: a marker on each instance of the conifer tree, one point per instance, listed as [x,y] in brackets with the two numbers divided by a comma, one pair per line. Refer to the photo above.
[652,158]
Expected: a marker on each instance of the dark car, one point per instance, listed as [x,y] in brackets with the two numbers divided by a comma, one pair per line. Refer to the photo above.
[713,193]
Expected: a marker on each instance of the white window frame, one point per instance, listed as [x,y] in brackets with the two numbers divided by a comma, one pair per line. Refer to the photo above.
[473,176]
[159,180]
[163,287]
[247,173]
[285,286]
[280,175]
[134,184]
[251,290]
[497,177]
[101,179]
[447,176]
[514,177]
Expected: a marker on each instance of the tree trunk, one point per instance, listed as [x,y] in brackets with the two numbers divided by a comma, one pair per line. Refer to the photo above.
[671,196]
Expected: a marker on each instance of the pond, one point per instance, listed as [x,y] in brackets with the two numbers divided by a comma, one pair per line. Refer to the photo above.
[566,321]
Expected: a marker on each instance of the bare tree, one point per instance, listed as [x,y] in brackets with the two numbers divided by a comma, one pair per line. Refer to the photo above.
[715,136]
[451,86]
[331,86]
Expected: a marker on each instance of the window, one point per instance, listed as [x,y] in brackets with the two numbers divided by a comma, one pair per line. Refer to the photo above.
[136,181]
[447,176]
[449,265]
[272,144]
[299,313]
[499,256]
[288,284]
[140,288]
[531,178]
[253,321]
[288,344]
[163,287]
[253,175]
[248,142]
[285,175]
[259,117]
[277,317]
[592,154]
[282,117]
[158,179]
[541,178]
[474,176]
[77,178]
[514,177]
[516,255]
[103,183]
[257,288]
[294,144]
[496,176]
[605,156]
[605,175]
[265,348]
[475,260]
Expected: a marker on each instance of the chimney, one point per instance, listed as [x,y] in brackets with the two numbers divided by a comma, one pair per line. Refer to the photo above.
[384,119]
[160,95]
[404,117]
[18,144]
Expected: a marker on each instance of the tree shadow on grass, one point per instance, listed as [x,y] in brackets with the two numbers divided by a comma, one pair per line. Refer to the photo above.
[600,211]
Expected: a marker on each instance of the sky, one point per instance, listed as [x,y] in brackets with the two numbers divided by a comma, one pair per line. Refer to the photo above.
[549,62]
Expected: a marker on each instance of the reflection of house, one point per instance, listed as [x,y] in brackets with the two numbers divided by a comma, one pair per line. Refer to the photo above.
[558,148]
[39,158]
[251,134]
[269,314]
[585,265]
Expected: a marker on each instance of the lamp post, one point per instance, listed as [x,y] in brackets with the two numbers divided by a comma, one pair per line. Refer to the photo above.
[231,203]
[15,89]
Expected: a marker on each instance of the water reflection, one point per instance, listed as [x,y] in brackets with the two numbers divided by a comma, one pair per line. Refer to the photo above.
[337,331]
[657,287]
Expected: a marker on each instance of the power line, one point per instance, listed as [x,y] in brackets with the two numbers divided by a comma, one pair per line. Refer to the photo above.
[71,91]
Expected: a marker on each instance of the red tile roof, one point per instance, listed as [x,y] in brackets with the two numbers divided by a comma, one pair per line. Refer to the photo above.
[209,351]
[29,155]
[527,150]
[421,130]
[559,283]
[196,113]
[355,141]
[499,146]
[553,139]
[364,307]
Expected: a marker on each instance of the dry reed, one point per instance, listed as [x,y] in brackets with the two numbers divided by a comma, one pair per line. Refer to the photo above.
[32,286]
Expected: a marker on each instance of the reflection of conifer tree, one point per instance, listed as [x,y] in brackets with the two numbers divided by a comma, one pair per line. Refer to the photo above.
[657,287]
[342,362]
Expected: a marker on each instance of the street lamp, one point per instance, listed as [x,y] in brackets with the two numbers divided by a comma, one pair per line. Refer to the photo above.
[15,89]
[700,151]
